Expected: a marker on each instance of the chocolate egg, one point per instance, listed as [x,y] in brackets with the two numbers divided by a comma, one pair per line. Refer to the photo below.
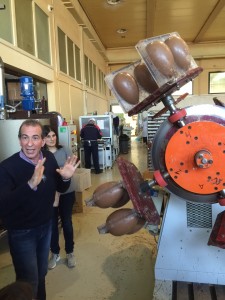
[123,200]
[180,51]
[109,194]
[161,57]
[144,78]
[126,86]
[122,221]
[140,223]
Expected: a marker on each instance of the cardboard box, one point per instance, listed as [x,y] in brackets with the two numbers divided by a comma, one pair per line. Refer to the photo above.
[79,203]
[82,179]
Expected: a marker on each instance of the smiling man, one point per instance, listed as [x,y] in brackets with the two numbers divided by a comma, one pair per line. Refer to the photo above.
[29,180]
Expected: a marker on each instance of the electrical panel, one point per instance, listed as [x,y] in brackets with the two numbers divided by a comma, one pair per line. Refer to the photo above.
[68,137]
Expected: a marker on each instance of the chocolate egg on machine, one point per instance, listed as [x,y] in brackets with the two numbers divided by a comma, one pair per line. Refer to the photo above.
[180,51]
[161,57]
[122,221]
[123,200]
[126,86]
[109,194]
[144,78]
[140,223]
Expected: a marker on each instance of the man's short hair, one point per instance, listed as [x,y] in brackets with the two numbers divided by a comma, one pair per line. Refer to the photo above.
[31,122]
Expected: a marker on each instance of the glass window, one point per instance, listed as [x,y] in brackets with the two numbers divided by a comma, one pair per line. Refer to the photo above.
[100,80]
[24,25]
[216,82]
[77,63]
[42,31]
[40,89]
[91,73]
[94,77]
[102,84]
[70,57]
[6,22]
[62,50]
[86,68]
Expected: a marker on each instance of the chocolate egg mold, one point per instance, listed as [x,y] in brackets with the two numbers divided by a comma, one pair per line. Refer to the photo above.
[167,57]
[131,84]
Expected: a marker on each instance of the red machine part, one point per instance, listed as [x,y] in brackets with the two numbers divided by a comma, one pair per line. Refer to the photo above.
[217,236]
[221,201]
[177,116]
[165,109]
[142,202]
[194,157]
[159,178]
[166,89]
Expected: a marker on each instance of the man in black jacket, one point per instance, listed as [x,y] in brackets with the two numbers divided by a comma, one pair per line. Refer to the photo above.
[90,134]
[29,180]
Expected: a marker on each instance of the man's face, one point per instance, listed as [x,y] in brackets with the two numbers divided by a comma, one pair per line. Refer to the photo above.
[31,142]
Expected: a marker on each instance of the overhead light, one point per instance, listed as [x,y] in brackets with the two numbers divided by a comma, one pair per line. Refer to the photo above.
[113,2]
[122,31]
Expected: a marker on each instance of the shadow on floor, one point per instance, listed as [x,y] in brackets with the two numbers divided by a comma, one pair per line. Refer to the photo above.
[127,271]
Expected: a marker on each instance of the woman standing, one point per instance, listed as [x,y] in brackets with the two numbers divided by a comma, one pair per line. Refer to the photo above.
[62,206]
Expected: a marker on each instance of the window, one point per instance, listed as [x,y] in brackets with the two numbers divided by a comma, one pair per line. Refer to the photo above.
[77,63]
[86,69]
[187,88]
[24,25]
[69,54]
[94,77]
[42,32]
[70,57]
[102,84]
[62,51]
[24,16]
[216,82]
[6,22]
[91,73]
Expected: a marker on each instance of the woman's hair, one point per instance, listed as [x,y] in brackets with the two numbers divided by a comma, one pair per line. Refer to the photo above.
[46,130]
[19,290]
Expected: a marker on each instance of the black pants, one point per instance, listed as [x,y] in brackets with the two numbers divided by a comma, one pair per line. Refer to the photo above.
[91,149]
[145,140]
[64,210]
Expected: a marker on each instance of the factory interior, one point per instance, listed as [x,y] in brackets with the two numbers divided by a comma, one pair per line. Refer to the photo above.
[65,62]
[106,265]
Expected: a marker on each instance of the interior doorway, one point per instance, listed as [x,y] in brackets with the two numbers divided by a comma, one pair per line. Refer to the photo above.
[125,119]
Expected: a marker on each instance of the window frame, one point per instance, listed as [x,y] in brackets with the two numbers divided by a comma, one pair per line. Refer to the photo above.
[222,83]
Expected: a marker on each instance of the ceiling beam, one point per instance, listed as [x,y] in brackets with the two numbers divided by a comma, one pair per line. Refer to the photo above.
[217,9]
[198,51]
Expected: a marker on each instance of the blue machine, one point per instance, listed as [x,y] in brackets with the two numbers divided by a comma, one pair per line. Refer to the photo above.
[27,92]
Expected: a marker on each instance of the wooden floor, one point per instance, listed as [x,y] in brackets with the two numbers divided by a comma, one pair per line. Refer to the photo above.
[197,291]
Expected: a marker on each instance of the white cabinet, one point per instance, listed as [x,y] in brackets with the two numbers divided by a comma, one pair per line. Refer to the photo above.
[108,156]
